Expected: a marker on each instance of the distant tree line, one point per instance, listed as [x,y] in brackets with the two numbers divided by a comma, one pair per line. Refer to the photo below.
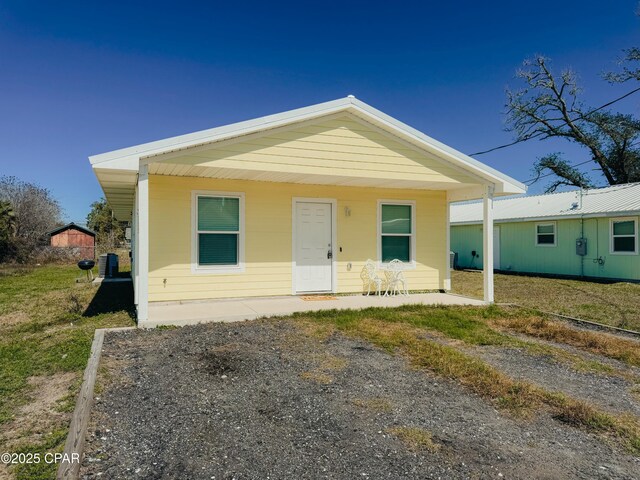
[27,213]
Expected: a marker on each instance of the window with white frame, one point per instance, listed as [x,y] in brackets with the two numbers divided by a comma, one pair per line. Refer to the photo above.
[397,235]
[546,234]
[624,236]
[218,236]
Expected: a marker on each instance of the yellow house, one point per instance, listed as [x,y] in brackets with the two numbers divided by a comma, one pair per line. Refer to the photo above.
[292,203]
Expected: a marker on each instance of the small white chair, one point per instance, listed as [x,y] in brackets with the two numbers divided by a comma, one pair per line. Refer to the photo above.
[396,283]
[370,277]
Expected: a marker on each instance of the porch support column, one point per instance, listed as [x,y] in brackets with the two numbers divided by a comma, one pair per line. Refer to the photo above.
[135,247]
[487,243]
[143,244]
[447,278]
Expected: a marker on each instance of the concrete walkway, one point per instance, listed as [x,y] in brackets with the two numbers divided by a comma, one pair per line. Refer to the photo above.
[237,309]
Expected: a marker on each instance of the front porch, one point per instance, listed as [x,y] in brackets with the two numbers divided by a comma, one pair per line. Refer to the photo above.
[218,214]
[239,309]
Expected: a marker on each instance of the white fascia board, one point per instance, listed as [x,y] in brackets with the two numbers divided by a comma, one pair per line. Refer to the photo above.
[504,183]
[129,158]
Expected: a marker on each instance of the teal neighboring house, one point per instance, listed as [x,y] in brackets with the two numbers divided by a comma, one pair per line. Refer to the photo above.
[590,233]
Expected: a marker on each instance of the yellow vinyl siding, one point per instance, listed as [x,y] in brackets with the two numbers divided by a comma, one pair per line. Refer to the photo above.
[341,146]
[268,237]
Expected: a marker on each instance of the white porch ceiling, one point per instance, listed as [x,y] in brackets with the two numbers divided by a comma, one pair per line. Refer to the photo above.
[401,181]
[119,188]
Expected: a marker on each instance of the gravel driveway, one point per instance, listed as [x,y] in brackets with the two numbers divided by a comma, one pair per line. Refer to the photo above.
[609,392]
[264,399]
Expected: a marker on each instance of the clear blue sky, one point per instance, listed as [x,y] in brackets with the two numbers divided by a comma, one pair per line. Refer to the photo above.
[82,78]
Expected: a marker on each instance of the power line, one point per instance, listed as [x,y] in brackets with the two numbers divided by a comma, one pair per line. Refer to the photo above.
[500,147]
[535,179]
[579,117]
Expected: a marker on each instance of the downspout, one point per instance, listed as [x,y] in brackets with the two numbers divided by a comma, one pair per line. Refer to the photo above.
[581,233]
[597,239]
[582,236]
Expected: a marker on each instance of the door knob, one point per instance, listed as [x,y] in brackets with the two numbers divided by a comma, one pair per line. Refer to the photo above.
[329,254]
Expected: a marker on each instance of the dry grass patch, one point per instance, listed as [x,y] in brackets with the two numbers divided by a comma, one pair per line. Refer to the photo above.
[327,366]
[416,439]
[13,318]
[333,363]
[376,404]
[623,427]
[611,346]
[317,376]
[575,361]
[317,331]
[109,371]
[43,410]
[635,391]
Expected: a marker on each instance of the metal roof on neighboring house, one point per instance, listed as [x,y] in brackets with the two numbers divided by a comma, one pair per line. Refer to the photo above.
[618,200]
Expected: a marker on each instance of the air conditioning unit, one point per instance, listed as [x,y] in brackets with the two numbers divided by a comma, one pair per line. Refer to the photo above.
[108,265]
[453,260]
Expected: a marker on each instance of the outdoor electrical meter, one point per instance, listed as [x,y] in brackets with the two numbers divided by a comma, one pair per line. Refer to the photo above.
[581,246]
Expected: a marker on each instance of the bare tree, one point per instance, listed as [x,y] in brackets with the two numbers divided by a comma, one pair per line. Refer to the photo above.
[549,107]
[36,212]
[631,57]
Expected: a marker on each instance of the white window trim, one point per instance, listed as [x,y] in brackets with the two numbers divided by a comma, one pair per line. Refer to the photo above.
[412,204]
[215,269]
[555,234]
[635,234]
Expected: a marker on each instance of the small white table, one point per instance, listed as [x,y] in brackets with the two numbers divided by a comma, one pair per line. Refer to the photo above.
[394,275]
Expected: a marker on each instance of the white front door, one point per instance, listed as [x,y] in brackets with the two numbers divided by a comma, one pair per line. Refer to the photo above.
[496,248]
[313,247]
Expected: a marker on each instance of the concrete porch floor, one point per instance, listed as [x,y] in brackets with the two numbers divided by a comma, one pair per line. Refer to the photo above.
[238,309]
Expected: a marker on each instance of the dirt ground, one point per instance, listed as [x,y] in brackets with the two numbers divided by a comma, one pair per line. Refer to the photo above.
[34,420]
[265,399]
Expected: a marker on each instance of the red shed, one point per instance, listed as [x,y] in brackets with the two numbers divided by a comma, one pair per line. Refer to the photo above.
[76,237]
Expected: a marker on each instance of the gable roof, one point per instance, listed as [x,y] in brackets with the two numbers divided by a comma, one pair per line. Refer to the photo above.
[128,158]
[117,170]
[617,200]
[74,226]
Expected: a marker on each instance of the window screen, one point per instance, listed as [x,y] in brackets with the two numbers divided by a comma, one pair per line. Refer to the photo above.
[624,236]
[396,232]
[218,230]
[546,234]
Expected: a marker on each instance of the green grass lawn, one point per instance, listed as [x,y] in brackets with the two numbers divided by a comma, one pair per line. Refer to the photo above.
[613,303]
[47,321]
